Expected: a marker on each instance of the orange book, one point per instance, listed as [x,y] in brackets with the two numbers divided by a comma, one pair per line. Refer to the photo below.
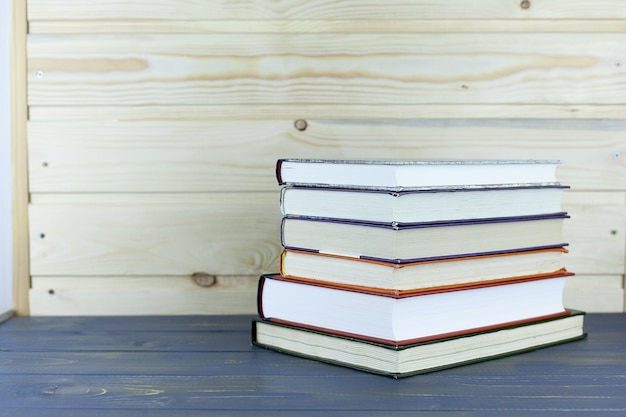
[398,279]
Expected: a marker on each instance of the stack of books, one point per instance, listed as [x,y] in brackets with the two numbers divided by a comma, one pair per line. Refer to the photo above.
[401,268]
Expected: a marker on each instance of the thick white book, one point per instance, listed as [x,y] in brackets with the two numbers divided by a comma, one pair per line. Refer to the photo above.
[401,175]
[433,312]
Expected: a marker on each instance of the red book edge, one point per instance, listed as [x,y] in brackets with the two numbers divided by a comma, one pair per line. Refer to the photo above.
[279,176]
[394,293]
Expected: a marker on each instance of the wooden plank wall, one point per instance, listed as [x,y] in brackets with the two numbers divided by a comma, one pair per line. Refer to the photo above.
[154,128]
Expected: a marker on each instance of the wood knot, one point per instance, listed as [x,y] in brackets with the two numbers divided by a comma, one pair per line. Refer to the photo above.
[202,279]
[525,4]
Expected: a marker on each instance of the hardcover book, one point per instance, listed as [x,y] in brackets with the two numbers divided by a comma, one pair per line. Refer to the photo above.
[420,357]
[426,205]
[437,240]
[402,175]
[398,278]
[388,318]
[405,267]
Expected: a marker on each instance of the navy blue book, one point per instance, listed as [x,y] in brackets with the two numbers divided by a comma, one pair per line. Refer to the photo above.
[400,243]
[423,205]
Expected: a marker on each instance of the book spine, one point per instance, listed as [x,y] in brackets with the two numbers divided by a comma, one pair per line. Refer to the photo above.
[281,263]
[281,202]
[279,176]
[259,296]
[282,232]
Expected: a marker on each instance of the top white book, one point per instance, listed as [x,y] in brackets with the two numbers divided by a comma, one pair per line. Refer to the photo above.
[407,175]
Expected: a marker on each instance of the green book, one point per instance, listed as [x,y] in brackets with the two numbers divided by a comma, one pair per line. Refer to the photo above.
[425,356]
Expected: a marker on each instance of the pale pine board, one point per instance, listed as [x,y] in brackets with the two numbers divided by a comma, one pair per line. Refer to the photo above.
[597,239]
[602,198]
[18,113]
[227,233]
[252,61]
[243,112]
[220,234]
[226,69]
[378,25]
[141,295]
[595,293]
[323,9]
[602,300]
[110,296]
[239,155]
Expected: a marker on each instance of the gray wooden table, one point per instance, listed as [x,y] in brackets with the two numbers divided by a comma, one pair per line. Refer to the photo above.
[205,366]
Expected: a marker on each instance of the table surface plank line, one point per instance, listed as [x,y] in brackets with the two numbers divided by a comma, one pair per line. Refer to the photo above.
[186,365]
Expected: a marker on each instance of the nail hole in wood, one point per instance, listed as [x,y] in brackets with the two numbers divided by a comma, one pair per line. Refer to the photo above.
[42,235]
[301,124]
[525,4]
[51,291]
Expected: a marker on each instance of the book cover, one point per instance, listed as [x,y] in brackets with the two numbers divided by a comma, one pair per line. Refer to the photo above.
[403,243]
[433,312]
[398,278]
[420,357]
[424,205]
[400,175]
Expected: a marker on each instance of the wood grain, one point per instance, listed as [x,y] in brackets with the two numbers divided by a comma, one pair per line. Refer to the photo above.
[149,371]
[239,155]
[135,341]
[593,198]
[135,296]
[323,9]
[262,388]
[81,412]
[142,295]
[223,234]
[228,69]
[226,234]
[115,301]
[596,236]
[30,326]
[193,113]
[153,129]
[19,159]
[597,293]
[370,25]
